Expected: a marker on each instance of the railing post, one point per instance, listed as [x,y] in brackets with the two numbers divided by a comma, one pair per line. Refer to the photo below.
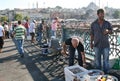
[63,33]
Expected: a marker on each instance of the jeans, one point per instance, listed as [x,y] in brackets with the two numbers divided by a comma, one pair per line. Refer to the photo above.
[72,56]
[1,42]
[39,38]
[98,53]
[19,45]
[53,33]
[27,30]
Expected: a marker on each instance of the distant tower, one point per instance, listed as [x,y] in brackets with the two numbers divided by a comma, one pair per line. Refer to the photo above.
[99,4]
[107,3]
[33,5]
[95,1]
[28,5]
[44,4]
[37,4]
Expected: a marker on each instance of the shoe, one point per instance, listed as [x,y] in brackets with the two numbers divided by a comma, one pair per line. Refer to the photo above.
[0,51]
[22,56]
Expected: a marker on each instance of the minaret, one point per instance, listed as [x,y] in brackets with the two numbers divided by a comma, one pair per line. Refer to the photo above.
[44,4]
[95,2]
[107,3]
[28,5]
[99,4]
[33,5]
[37,4]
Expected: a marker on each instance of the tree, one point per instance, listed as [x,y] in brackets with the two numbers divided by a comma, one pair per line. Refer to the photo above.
[58,7]
[116,14]
[26,18]
[3,18]
[18,17]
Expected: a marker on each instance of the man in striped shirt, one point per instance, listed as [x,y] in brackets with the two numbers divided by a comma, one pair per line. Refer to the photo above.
[19,34]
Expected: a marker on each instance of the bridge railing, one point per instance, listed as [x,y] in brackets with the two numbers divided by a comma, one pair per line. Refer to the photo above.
[66,32]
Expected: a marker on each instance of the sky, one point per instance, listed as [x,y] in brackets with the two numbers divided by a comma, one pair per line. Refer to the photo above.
[23,4]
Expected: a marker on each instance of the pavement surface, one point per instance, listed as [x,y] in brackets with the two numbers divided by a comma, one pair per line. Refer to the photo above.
[34,66]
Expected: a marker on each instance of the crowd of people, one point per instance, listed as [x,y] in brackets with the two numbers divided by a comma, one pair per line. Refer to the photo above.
[100,29]
[37,31]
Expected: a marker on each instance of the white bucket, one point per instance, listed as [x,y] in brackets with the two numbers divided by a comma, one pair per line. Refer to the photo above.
[107,78]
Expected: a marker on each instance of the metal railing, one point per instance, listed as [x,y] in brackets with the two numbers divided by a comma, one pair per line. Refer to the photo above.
[66,32]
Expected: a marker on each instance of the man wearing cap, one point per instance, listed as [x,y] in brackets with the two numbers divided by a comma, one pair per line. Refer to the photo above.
[32,31]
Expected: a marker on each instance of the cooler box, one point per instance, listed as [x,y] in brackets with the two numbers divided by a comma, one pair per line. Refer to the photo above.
[74,72]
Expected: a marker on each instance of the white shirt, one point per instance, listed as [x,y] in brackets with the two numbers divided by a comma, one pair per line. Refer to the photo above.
[6,28]
[1,30]
[32,27]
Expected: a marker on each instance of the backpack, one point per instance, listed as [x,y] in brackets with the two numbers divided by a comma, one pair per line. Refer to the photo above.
[40,28]
[26,25]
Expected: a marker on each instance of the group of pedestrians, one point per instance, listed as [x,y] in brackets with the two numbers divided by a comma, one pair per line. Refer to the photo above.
[21,31]
[100,29]
[5,32]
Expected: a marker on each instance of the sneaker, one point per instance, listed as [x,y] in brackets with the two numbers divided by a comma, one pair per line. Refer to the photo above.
[0,51]
[22,56]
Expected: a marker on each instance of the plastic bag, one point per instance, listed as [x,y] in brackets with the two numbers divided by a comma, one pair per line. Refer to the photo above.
[117,64]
